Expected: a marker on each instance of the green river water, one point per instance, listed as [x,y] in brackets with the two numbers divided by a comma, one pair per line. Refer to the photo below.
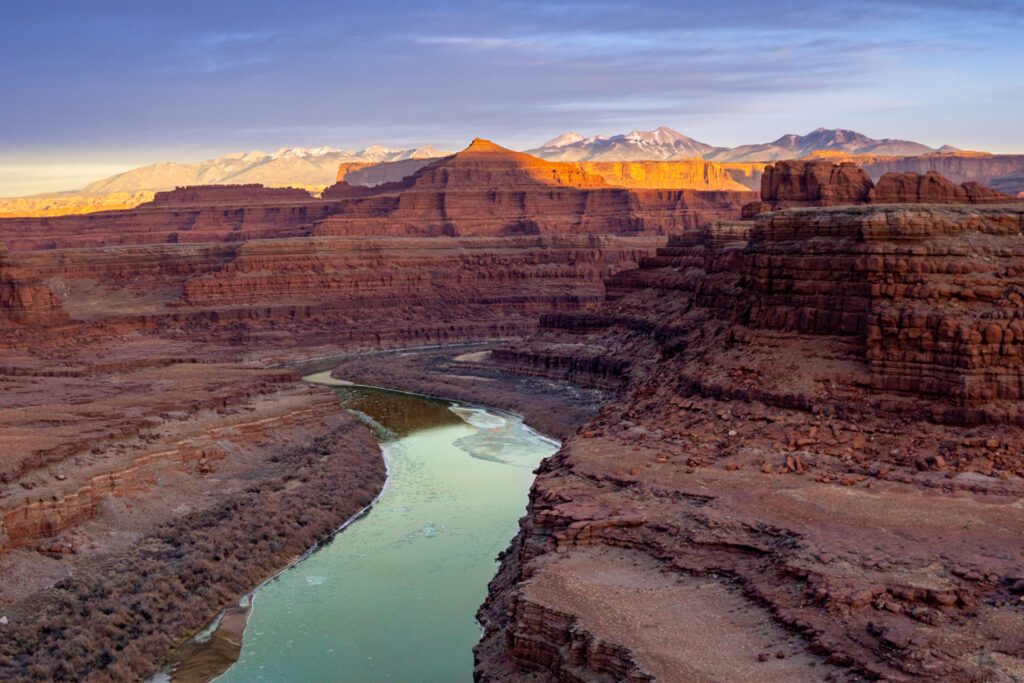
[393,596]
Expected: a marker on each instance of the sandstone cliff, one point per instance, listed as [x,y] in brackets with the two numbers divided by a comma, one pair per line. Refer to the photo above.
[24,300]
[1011,183]
[788,184]
[483,191]
[806,402]
[371,174]
[489,190]
[959,167]
[686,174]
[230,194]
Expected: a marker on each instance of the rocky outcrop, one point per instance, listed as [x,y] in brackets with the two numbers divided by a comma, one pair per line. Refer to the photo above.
[23,300]
[804,405]
[934,308]
[145,555]
[930,188]
[487,190]
[33,519]
[29,304]
[230,194]
[788,184]
[687,174]
[813,183]
[167,223]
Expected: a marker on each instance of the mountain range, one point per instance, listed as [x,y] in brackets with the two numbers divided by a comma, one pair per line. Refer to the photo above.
[667,144]
[316,168]
[297,166]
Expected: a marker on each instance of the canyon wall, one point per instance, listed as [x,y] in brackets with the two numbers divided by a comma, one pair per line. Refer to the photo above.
[24,300]
[805,402]
[381,291]
[997,171]
[484,190]
[371,174]
[687,174]
[230,194]
[488,190]
[1011,183]
[169,223]
[788,184]
[959,168]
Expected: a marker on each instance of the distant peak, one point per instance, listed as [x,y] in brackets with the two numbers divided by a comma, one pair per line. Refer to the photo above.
[482,145]
[662,135]
[565,139]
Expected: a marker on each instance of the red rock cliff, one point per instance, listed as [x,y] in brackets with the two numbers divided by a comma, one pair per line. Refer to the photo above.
[24,300]
[806,402]
[489,190]
[788,184]
[484,190]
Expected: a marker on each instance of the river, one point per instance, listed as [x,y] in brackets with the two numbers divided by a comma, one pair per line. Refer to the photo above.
[393,596]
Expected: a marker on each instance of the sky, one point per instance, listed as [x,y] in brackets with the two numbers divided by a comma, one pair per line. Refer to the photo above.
[89,88]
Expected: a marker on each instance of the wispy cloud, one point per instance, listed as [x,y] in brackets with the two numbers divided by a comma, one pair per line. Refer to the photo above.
[236,74]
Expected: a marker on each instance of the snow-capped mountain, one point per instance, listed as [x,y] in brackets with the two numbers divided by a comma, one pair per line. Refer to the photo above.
[318,166]
[565,139]
[820,140]
[662,143]
[666,144]
[301,166]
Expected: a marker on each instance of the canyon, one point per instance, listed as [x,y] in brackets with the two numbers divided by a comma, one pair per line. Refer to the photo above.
[768,423]
[805,403]
[150,399]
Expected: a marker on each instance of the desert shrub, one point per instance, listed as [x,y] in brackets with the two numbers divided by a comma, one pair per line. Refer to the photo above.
[118,622]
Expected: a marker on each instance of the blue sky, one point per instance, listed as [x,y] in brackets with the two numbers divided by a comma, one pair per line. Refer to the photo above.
[102,85]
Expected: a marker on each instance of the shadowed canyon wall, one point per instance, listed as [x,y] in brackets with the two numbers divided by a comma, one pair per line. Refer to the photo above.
[806,403]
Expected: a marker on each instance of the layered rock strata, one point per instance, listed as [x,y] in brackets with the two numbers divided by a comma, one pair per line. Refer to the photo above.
[789,184]
[167,223]
[959,167]
[289,293]
[149,450]
[803,410]
[229,194]
[109,565]
[489,190]
[484,190]
[24,300]
[371,174]
[1011,183]
[689,174]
